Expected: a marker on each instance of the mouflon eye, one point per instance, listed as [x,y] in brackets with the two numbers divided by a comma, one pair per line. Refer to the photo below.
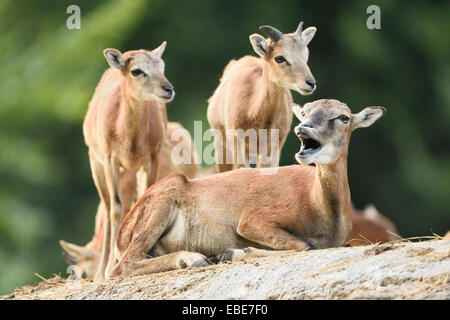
[344,119]
[279,59]
[136,72]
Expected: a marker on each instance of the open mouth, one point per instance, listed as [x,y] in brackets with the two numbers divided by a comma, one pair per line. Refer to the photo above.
[309,145]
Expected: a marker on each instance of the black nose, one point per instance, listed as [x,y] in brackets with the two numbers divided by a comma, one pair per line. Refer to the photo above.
[311,84]
[168,89]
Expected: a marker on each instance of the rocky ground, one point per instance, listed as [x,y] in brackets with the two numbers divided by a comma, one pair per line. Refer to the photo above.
[403,270]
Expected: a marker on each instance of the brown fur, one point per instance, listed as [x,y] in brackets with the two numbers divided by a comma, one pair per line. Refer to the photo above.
[297,208]
[166,165]
[369,228]
[124,129]
[87,258]
[254,94]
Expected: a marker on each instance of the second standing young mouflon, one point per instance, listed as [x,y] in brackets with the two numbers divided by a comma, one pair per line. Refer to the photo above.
[254,93]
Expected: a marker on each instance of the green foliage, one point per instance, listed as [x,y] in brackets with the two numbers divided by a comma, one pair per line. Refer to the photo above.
[48,74]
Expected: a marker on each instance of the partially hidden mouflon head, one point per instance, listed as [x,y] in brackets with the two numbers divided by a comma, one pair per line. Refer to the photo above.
[83,260]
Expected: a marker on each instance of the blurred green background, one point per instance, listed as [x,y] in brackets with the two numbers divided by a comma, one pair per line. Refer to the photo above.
[48,74]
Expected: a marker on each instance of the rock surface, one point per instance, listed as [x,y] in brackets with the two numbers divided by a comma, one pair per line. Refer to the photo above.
[402,270]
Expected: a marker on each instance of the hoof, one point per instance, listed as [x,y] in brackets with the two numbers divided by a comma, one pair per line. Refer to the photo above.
[227,255]
[214,259]
[201,263]
[192,259]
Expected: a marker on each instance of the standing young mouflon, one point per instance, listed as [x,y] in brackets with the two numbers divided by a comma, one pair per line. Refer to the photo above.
[179,222]
[254,94]
[124,129]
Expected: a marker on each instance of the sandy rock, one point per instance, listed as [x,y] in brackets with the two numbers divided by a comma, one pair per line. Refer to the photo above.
[402,270]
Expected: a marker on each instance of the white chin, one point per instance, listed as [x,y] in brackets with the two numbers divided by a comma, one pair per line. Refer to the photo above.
[301,91]
[303,160]
[163,99]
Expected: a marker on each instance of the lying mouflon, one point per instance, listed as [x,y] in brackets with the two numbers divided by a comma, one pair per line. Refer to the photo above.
[179,222]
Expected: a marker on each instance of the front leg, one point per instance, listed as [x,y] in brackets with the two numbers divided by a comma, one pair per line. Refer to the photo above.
[223,154]
[142,181]
[265,226]
[272,161]
[269,152]
[98,173]
[112,174]
[239,154]
[152,168]
[147,175]
[266,161]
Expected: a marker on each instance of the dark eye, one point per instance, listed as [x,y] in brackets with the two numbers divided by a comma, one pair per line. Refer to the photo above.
[136,72]
[84,275]
[279,59]
[344,119]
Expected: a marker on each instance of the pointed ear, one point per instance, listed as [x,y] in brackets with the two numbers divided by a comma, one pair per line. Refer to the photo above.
[114,58]
[75,251]
[160,50]
[259,44]
[370,211]
[308,34]
[297,111]
[367,117]
[68,258]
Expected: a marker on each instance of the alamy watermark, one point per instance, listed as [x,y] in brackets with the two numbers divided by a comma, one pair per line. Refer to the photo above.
[374,20]
[242,147]
[74,20]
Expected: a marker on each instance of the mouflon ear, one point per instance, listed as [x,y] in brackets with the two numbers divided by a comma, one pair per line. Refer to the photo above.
[297,111]
[259,44]
[308,34]
[114,58]
[160,50]
[68,258]
[75,251]
[367,117]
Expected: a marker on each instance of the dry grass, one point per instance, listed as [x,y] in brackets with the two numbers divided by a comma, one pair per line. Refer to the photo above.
[195,281]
